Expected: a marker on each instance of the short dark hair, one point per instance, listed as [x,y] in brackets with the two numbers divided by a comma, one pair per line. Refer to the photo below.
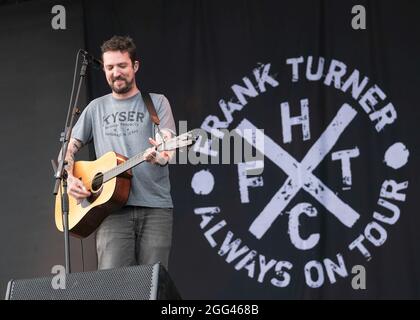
[120,43]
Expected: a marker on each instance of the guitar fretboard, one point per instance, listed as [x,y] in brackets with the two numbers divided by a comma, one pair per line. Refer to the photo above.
[130,163]
[172,144]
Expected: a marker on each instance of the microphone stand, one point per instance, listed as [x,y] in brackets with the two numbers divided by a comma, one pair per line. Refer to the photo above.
[60,172]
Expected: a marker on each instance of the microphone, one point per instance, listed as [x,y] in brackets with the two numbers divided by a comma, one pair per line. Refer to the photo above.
[97,64]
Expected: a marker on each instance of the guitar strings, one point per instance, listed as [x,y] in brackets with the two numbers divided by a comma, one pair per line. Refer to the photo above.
[97,178]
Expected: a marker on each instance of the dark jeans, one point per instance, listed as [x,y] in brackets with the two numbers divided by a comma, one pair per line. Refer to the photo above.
[135,235]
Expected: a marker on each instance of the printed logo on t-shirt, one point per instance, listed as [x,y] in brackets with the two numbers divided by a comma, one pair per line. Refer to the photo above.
[122,123]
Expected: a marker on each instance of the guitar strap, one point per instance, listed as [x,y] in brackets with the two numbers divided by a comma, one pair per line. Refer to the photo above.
[151,108]
[152,112]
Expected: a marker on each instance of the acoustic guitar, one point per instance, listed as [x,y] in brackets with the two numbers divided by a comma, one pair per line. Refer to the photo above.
[109,180]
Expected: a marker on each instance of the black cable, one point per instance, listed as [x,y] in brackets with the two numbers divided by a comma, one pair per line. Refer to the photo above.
[73,86]
[83,259]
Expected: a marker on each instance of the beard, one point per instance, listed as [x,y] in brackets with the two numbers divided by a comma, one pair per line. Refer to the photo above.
[124,89]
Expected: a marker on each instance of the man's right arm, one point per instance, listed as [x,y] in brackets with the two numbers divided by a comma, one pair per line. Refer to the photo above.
[74,146]
[75,187]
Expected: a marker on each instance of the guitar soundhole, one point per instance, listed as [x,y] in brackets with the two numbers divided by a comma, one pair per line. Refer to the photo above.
[97,182]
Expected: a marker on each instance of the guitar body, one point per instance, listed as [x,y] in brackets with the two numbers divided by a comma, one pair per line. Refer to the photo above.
[109,181]
[85,217]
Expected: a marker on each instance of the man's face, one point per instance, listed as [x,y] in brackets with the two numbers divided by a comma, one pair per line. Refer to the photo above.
[119,71]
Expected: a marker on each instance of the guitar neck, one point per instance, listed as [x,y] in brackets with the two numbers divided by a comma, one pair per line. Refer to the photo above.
[126,165]
[182,140]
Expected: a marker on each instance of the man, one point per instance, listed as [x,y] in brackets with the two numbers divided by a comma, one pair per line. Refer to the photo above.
[141,232]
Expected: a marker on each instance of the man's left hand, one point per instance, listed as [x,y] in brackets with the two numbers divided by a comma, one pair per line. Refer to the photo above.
[155,157]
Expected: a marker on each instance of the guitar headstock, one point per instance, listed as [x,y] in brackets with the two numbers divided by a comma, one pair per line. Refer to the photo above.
[183,140]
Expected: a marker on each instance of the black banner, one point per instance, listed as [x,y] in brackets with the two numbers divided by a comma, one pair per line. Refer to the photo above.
[327,207]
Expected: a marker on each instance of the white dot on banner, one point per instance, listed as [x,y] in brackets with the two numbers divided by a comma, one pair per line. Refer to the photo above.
[202,182]
[396,156]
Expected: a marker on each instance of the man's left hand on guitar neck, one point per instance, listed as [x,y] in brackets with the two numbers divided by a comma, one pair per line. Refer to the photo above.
[159,158]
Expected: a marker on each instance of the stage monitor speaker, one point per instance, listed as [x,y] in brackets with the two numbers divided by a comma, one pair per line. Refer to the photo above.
[144,282]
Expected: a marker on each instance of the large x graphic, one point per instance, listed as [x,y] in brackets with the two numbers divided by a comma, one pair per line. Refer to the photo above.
[300,174]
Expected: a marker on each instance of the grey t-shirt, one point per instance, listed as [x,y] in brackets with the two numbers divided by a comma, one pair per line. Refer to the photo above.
[124,126]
